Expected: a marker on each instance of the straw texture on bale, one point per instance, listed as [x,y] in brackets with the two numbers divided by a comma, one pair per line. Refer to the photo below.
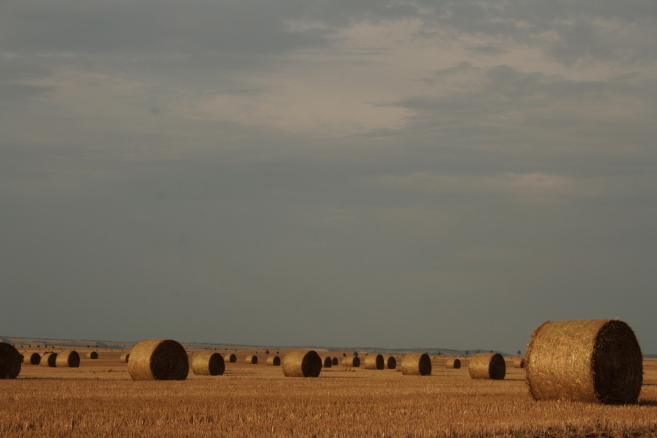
[327,362]
[68,359]
[453,363]
[302,363]
[92,355]
[252,359]
[416,364]
[273,361]
[48,360]
[373,362]
[391,362]
[351,361]
[158,359]
[489,366]
[10,361]
[587,360]
[208,363]
[31,358]
[125,358]
[230,357]
[335,361]
[519,362]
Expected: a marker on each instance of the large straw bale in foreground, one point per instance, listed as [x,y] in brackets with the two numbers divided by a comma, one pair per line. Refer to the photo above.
[158,359]
[48,359]
[68,359]
[373,362]
[391,362]
[31,358]
[587,360]
[302,363]
[273,361]
[489,366]
[453,363]
[10,361]
[351,361]
[208,363]
[416,364]
[230,357]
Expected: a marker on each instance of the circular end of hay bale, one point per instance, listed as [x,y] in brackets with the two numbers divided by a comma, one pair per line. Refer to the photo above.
[92,355]
[273,361]
[158,359]
[490,366]
[351,361]
[229,357]
[31,358]
[67,359]
[302,363]
[125,358]
[327,362]
[587,360]
[391,363]
[519,362]
[10,361]
[416,364]
[252,359]
[373,362]
[335,361]
[208,363]
[48,359]
[453,363]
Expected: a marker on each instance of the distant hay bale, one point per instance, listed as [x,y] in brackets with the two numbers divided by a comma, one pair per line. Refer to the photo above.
[31,358]
[125,358]
[487,366]
[252,359]
[92,355]
[230,357]
[158,359]
[519,362]
[48,360]
[351,361]
[373,362]
[302,363]
[10,361]
[208,363]
[67,359]
[273,361]
[327,362]
[335,361]
[453,363]
[587,360]
[416,364]
[391,362]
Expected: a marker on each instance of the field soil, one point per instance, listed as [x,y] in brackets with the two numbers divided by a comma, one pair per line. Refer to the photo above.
[100,399]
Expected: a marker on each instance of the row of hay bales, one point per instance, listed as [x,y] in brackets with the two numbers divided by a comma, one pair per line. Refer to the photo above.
[66,358]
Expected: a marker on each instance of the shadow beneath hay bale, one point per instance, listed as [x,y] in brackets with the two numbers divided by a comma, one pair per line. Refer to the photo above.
[647,402]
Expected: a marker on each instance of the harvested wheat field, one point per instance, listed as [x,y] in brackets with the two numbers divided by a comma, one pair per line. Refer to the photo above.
[100,399]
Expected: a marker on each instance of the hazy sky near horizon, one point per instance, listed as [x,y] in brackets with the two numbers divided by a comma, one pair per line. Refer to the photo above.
[415,173]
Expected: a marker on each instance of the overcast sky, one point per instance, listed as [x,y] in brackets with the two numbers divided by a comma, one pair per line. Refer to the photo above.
[415,173]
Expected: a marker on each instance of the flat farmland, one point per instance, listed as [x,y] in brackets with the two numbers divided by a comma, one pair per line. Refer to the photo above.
[100,399]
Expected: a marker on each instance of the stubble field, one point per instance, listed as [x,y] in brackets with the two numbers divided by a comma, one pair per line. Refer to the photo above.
[100,399]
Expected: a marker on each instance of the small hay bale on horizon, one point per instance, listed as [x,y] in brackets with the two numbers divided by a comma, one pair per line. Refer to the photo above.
[31,358]
[351,361]
[586,360]
[302,363]
[230,357]
[391,362]
[208,363]
[453,363]
[251,359]
[92,355]
[335,361]
[158,359]
[373,362]
[67,359]
[327,361]
[416,364]
[490,366]
[519,362]
[273,361]
[10,361]
[125,358]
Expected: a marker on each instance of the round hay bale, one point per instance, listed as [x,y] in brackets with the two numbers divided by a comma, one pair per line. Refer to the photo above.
[587,360]
[252,359]
[487,366]
[68,359]
[10,361]
[373,362]
[391,362]
[208,363]
[158,359]
[48,360]
[416,364]
[302,363]
[92,355]
[335,361]
[31,358]
[327,362]
[351,361]
[273,361]
[519,362]
[230,357]
[453,363]
[125,358]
